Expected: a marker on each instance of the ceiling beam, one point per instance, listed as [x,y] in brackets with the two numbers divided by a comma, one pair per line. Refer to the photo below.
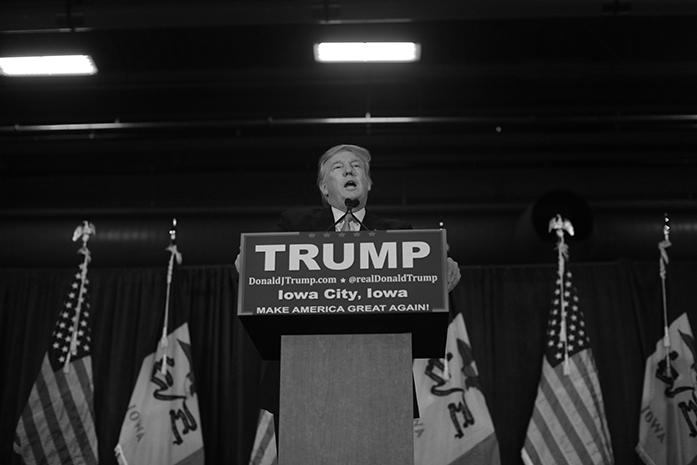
[19,17]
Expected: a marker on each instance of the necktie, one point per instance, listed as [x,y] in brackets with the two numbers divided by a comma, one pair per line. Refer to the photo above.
[347,223]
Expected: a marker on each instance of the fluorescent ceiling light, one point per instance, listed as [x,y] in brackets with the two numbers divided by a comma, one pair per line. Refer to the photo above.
[333,52]
[47,65]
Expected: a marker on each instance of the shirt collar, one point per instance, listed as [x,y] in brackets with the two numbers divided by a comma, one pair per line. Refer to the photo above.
[359,214]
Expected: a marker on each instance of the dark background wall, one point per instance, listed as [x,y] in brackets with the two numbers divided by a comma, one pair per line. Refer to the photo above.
[216,113]
[488,202]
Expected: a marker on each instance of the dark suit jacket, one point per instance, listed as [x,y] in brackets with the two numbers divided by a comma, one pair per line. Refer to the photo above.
[321,219]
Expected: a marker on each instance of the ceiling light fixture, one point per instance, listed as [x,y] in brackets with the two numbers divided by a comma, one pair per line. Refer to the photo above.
[50,65]
[386,52]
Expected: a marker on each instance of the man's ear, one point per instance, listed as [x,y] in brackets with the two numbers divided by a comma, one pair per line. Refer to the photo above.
[323,189]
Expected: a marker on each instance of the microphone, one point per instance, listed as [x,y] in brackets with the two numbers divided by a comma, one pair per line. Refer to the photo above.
[350,205]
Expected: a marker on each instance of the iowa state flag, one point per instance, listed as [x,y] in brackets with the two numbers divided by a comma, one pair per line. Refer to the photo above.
[454,426]
[264,449]
[162,425]
[668,418]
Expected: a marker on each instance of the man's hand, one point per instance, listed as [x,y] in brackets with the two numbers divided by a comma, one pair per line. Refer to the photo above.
[453,274]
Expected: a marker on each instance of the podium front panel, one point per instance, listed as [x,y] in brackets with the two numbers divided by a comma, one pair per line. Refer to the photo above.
[346,400]
[344,283]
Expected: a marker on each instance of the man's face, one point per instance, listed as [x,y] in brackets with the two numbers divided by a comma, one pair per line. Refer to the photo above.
[345,178]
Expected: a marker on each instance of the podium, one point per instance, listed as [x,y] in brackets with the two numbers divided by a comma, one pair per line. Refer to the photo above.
[345,313]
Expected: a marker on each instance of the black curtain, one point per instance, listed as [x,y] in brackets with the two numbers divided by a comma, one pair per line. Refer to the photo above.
[505,309]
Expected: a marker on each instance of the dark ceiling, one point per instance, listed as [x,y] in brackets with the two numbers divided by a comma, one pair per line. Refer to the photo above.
[217,108]
[246,64]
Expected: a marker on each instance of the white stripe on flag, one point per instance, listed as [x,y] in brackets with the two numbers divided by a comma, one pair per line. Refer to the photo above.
[572,412]
[549,419]
[588,402]
[56,425]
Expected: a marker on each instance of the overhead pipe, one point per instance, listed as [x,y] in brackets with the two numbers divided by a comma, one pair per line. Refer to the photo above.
[477,234]
[19,17]
[614,121]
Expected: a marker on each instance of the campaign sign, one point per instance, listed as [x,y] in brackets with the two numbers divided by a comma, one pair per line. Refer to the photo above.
[303,273]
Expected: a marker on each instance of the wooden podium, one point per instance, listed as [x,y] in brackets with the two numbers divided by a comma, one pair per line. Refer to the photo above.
[346,400]
[346,389]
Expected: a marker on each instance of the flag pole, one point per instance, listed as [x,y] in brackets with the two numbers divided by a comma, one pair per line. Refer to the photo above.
[662,262]
[173,255]
[446,369]
[560,226]
[84,232]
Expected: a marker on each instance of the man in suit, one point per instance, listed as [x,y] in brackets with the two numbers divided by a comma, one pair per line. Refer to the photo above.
[343,176]
[343,173]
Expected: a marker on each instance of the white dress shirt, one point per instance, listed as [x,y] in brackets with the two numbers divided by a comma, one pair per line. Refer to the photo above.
[354,225]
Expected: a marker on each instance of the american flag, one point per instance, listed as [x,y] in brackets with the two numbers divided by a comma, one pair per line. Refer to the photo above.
[568,424]
[57,423]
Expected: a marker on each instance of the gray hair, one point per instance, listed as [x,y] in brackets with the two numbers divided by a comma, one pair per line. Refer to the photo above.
[322,168]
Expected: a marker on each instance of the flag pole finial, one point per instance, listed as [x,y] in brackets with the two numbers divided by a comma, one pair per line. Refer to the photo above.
[173,231]
[84,231]
[560,225]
